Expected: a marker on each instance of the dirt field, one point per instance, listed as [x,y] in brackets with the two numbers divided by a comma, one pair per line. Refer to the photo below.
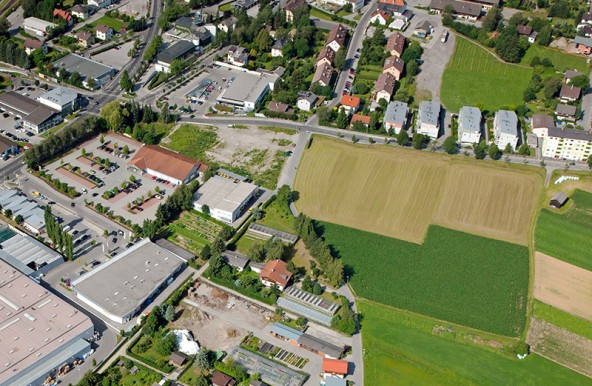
[505,202]
[561,346]
[563,286]
[399,192]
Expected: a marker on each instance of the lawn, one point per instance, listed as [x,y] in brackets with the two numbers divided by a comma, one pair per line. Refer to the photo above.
[116,24]
[144,376]
[561,60]
[369,72]
[226,7]
[567,236]
[192,140]
[562,319]
[403,347]
[457,277]
[474,76]
[159,130]
[278,217]
[399,192]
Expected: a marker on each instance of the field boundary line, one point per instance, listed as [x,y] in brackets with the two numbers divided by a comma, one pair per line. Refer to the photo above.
[560,364]
[491,53]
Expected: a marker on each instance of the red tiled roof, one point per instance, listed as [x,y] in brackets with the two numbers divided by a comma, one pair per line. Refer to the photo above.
[383,14]
[337,34]
[365,119]
[62,14]
[393,61]
[335,366]
[32,43]
[396,42]
[524,30]
[351,101]
[276,271]
[164,161]
[398,3]
[326,53]
[102,28]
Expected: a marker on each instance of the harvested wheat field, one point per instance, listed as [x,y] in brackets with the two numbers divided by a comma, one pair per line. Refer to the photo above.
[563,285]
[399,192]
[561,346]
[489,202]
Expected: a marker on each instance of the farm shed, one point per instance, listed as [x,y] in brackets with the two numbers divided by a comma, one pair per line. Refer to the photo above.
[178,358]
[558,200]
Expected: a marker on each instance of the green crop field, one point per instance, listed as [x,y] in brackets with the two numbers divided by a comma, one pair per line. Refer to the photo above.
[474,76]
[562,61]
[567,236]
[453,276]
[402,347]
[562,319]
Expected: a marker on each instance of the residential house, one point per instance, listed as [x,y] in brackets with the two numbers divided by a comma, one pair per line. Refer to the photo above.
[395,44]
[423,29]
[237,55]
[291,7]
[393,7]
[278,47]
[279,107]
[7,147]
[505,129]
[99,3]
[177,358]
[103,32]
[570,74]
[350,104]
[336,38]
[65,15]
[334,368]
[31,45]
[326,56]
[566,144]
[527,31]
[586,31]
[428,122]
[323,75]
[306,100]
[381,17]
[275,273]
[82,11]
[235,260]
[487,4]
[569,93]
[583,44]
[394,65]
[356,4]
[228,24]
[566,112]
[384,88]
[85,39]
[395,117]
[460,9]
[586,20]
[365,119]
[221,379]
[469,125]
[540,123]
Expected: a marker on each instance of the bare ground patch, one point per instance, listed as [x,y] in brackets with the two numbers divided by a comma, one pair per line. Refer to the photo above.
[561,346]
[563,285]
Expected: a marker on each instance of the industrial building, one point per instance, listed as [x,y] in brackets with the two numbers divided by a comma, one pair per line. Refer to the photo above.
[60,98]
[35,115]
[225,198]
[39,331]
[135,278]
[87,68]
[19,204]
[248,89]
[38,27]
[166,164]
[26,254]
[177,51]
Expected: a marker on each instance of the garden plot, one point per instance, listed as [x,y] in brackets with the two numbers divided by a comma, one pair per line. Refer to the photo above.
[192,231]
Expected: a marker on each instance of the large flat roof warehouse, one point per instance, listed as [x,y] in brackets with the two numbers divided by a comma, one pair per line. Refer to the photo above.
[132,277]
[38,330]
[247,88]
[29,109]
[85,67]
[224,195]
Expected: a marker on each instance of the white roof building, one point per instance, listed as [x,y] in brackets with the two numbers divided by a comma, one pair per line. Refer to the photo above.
[248,89]
[429,119]
[37,26]
[395,117]
[505,129]
[469,125]
[226,198]
[59,98]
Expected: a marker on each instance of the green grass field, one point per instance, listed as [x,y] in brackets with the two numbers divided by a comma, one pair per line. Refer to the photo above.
[474,76]
[116,24]
[278,217]
[454,276]
[562,319]
[561,60]
[369,72]
[567,236]
[401,347]
[192,140]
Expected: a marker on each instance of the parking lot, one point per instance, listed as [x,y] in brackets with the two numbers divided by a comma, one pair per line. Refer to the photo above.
[101,175]
[115,57]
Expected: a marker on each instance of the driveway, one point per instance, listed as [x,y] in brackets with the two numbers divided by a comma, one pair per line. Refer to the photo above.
[435,58]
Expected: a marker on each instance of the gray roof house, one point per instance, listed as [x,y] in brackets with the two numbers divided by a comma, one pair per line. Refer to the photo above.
[566,112]
[395,117]
[429,119]
[469,125]
[235,259]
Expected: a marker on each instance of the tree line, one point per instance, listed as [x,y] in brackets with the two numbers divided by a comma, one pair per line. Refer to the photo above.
[62,240]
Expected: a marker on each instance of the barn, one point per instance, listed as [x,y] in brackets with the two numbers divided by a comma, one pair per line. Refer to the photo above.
[558,200]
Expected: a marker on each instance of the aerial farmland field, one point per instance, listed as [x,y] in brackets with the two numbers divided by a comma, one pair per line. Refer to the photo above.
[399,192]
[453,276]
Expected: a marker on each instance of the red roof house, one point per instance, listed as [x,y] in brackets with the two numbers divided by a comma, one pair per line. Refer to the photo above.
[335,367]
[276,273]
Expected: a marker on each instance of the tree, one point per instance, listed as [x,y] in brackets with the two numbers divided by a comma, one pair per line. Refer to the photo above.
[169,313]
[205,210]
[418,140]
[4,26]
[284,196]
[552,87]
[589,161]
[402,137]
[91,83]
[263,40]
[450,145]
[479,149]
[341,120]
[166,345]
[150,228]
[412,68]
[256,252]
[524,149]
[508,46]
[324,115]
[126,82]
[8,213]
[339,61]
[201,380]
[317,289]
[492,19]
[206,252]
[19,219]
[494,152]
[101,139]
[307,284]
[202,359]
[126,150]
